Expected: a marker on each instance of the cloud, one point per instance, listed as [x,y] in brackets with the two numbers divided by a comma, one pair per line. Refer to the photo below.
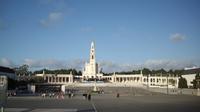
[54,64]
[6,62]
[107,66]
[168,64]
[47,63]
[53,18]
[177,37]
[155,64]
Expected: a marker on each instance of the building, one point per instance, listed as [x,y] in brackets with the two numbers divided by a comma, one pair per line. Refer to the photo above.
[56,78]
[90,70]
[10,73]
[189,74]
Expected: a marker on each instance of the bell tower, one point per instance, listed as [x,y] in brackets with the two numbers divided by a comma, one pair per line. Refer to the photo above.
[91,68]
[92,59]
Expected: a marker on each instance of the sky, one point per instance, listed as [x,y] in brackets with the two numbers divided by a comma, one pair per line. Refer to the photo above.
[128,34]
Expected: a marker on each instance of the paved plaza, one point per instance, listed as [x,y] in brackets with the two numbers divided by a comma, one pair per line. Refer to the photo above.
[106,103]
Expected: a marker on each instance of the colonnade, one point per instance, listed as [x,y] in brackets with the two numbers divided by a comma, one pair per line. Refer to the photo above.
[58,79]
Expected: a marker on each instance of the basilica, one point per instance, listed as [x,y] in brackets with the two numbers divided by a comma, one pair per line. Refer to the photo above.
[91,71]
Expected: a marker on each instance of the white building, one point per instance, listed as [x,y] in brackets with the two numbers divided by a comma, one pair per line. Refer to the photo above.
[189,74]
[90,70]
[57,78]
[142,80]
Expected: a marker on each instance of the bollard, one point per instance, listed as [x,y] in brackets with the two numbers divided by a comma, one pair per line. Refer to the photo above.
[2,109]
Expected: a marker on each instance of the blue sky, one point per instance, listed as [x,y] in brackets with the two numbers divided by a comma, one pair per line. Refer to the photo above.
[129,34]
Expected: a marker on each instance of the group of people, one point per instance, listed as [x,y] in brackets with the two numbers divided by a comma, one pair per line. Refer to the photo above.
[58,95]
[87,96]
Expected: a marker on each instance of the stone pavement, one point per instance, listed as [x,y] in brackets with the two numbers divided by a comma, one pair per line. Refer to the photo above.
[38,110]
[138,101]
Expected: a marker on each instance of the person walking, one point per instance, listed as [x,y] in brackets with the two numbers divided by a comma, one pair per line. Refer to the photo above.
[89,97]
[118,95]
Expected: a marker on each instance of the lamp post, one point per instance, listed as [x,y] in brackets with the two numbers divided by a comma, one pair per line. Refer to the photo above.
[167,84]
[148,82]
[95,86]
[3,92]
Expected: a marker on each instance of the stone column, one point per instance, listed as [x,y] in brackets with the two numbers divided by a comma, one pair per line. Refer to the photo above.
[48,79]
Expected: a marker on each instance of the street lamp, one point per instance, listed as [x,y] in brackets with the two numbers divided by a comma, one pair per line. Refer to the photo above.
[167,84]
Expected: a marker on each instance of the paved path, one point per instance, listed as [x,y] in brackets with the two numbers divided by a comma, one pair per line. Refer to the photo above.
[38,110]
[106,103]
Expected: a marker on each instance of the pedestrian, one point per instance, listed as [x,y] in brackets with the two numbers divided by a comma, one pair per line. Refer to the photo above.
[89,96]
[117,95]
[85,96]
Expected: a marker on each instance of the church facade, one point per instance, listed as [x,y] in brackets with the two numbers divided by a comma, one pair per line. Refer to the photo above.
[90,70]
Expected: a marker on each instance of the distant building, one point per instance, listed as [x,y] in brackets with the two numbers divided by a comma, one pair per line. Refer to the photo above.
[90,71]
[10,73]
[189,75]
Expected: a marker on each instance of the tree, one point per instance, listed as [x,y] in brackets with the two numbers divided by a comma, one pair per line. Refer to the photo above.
[58,71]
[182,83]
[178,72]
[22,70]
[11,84]
[37,80]
[194,82]
[171,71]
[162,71]
[146,71]
[159,72]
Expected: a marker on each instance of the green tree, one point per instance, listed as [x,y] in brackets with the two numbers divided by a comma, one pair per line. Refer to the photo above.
[146,71]
[195,84]
[22,70]
[171,71]
[162,71]
[37,80]
[11,84]
[178,72]
[182,83]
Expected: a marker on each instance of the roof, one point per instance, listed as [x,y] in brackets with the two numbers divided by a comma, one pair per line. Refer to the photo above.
[6,70]
[192,71]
